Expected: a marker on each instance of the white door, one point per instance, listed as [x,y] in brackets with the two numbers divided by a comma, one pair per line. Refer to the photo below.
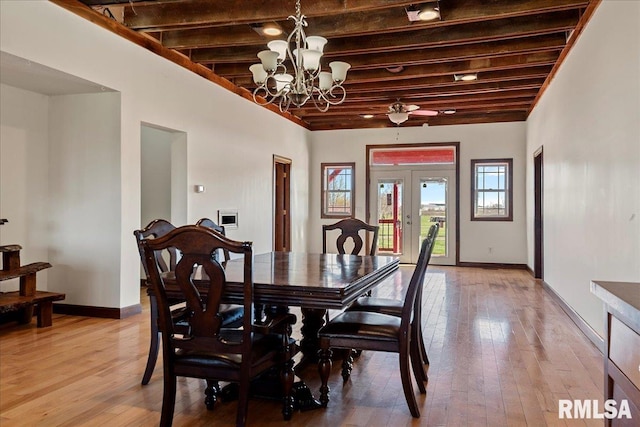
[405,202]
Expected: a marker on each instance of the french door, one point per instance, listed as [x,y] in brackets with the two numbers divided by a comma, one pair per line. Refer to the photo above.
[406,202]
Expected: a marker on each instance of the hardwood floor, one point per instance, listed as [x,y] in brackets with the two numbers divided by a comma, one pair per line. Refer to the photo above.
[502,353]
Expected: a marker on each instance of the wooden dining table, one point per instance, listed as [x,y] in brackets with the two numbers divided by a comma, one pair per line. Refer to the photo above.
[314,282]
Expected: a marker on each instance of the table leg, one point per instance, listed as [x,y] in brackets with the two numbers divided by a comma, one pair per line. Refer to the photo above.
[312,321]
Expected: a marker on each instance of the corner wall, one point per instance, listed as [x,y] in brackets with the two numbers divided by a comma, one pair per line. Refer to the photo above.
[588,123]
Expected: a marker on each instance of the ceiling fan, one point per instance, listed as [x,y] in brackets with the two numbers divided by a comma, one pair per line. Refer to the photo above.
[399,112]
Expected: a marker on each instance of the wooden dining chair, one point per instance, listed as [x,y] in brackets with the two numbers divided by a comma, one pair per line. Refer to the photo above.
[350,228]
[394,308]
[377,332]
[206,222]
[204,348]
[167,259]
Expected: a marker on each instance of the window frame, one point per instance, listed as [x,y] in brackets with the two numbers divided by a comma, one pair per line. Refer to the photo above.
[508,191]
[324,190]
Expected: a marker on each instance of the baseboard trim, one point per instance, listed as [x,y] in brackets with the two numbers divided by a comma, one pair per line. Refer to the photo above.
[493,265]
[586,329]
[102,312]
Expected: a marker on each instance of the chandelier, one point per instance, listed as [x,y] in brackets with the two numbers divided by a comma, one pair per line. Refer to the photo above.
[306,80]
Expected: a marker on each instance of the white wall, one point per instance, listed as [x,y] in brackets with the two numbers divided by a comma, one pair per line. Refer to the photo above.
[84,198]
[155,199]
[24,150]
[588,123]
[231,141]
[483,141]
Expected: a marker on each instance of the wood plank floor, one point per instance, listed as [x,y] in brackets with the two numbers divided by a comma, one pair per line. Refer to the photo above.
[502,353]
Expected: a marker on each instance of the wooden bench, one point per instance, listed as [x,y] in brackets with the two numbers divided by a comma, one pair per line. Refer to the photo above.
[24,300]
[42,301]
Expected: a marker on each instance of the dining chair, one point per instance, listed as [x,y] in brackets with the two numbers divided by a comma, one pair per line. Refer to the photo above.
[394,308]
[351,228]
[204,348]
[206,222]
[376,332]
[167,259]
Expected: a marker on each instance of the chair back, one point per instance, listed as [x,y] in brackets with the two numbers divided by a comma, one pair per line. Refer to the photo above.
[411,302]
[350,228]
[196,244]
[156,228]
[206,222]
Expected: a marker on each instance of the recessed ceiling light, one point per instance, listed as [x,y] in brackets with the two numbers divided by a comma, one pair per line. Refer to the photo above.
[367,116]
[270,30]
[429,14]
[465,77]
[424,12]
[449,111]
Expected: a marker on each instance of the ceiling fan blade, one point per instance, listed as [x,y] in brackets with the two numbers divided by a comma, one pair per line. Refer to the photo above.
[411,107]
[425,113]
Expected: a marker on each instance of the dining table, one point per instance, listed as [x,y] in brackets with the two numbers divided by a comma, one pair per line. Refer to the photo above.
[315,282]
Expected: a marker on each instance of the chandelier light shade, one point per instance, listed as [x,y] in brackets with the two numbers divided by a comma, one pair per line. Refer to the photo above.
[306,81]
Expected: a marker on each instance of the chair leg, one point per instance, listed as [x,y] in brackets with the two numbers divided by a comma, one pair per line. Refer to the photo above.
[415,351]
[324,368]
[423,350]
[154,343]
[287,385]
[416,364]
[405,375]
[168,400]
[211,394]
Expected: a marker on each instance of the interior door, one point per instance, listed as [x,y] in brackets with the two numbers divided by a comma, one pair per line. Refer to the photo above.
[282,205]
[405,202]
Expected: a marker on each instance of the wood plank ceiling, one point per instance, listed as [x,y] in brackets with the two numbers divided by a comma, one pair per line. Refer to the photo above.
[513,46]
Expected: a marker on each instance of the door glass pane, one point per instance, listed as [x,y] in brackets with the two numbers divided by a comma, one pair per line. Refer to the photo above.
[390,215]
[433,208]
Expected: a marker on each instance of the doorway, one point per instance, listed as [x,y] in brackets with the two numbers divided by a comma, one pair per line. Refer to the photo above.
[405,203]
[281,204]
[538,214]
[163,174]
[410,188]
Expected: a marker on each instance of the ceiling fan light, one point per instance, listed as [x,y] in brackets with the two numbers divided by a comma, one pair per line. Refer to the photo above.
[339,70]
[398,117]
[468,77]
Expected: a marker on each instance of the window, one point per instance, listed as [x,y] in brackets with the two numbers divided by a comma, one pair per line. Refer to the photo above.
[338,185]
[491,185]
